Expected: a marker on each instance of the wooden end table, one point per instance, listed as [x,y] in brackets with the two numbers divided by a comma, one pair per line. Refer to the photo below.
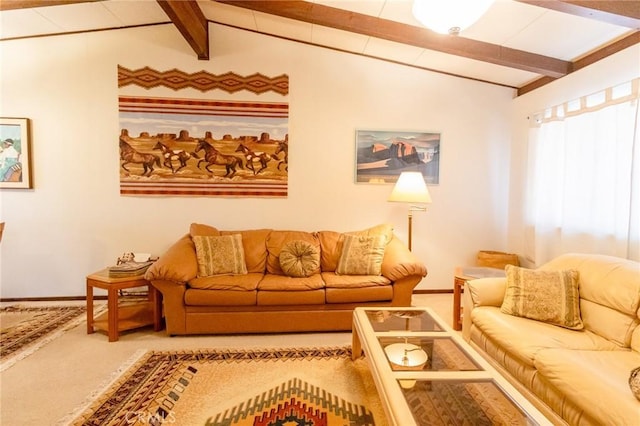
[461,276]
[122,317]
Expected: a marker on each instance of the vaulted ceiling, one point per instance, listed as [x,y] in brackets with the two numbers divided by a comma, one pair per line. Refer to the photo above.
[522,44]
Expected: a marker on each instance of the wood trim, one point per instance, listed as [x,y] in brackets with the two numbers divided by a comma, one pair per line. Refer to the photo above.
[434,291]
[26,4]
[407,34]
[50,299]
[187,16]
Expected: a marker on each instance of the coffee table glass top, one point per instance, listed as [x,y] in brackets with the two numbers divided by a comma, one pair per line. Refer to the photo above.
[427,374]
[417,353]
[477,402]
[402,320]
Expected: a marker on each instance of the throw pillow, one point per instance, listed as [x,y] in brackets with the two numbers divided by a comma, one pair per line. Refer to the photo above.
[634,382]
[220,255]
[299,259]
[361,255]
[548,296]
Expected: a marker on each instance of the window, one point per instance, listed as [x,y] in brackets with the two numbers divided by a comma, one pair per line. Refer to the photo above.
[583,178]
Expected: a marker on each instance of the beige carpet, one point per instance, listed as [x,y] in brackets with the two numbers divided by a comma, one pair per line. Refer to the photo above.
[25,329]
[75,364]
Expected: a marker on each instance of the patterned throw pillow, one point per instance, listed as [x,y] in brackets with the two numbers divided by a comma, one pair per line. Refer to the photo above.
[361,255]
[299,258]
[220,255]
[634,382]
[549,296]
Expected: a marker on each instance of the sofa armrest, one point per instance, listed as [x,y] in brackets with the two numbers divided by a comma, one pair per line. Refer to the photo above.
[178,264]
[399,262]
[480,292]
[487,291]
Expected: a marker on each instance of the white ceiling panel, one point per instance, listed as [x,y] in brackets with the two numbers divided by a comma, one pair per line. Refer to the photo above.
[563,36]
[503,20]
[80,16]
[475,69]
[136,12]
[339,39]
[392,50]
[283,27]
[25,22]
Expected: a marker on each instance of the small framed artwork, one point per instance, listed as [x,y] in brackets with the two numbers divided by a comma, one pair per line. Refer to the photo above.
[381,155]
[15,153]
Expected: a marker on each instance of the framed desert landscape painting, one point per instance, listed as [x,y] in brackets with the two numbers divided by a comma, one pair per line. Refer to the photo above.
[381,155]
[15,153]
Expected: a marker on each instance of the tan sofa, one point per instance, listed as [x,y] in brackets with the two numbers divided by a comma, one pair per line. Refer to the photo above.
[265,299]
[577,377]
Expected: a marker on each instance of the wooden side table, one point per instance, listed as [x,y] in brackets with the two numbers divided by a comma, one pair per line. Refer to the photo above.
[461,276]
[122,317]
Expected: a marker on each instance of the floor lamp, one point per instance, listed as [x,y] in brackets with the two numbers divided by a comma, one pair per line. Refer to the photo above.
[411,188]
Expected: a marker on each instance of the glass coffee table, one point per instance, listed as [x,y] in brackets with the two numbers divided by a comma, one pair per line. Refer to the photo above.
[426,373]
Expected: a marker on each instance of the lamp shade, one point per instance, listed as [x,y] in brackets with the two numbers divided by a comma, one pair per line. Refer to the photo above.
[406,356]
[410,188]
[449,16]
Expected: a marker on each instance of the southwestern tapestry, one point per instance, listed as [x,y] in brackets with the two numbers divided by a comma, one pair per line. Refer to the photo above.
[200,147]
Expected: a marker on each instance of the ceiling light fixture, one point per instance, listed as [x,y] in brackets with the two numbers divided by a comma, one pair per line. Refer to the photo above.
[449,16]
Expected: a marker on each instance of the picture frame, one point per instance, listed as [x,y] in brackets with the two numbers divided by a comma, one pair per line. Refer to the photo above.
[15,153]
[381,155]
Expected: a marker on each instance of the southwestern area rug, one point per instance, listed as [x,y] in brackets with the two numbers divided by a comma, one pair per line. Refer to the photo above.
[24,330]
[284,387]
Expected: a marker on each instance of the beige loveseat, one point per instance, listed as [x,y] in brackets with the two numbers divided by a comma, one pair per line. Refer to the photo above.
[262,298]
[575,376]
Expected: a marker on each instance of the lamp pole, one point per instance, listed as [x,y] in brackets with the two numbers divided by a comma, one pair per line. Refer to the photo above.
[410,227]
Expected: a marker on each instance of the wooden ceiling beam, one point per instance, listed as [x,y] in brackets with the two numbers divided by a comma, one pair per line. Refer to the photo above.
[26,4]
[625,13]
[187,16]
[401,33]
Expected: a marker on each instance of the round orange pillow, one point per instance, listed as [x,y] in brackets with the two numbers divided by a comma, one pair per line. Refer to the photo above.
[299,258]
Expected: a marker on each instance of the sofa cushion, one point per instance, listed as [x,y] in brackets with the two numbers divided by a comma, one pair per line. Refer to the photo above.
[220,255]
[199,229]
[288,298]
[595,381]
[331,243]
[244,282]
[204,298]
[329,250]
[524,338]
[361,255]
[549,296]
[333,280]
[359,295]
[254,242]
[277,240]
[299,259]
[612,286]
[272,282]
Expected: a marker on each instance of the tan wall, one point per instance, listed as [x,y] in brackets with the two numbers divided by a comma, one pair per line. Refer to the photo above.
[75,221]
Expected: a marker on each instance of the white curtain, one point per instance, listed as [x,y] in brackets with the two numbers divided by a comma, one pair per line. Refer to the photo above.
[583,178]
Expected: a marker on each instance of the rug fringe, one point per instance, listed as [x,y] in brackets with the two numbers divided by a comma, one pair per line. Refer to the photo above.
[113,377]
[45,340]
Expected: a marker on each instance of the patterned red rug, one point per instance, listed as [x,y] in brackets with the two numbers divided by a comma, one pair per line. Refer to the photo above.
[27,329]
[310,387]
